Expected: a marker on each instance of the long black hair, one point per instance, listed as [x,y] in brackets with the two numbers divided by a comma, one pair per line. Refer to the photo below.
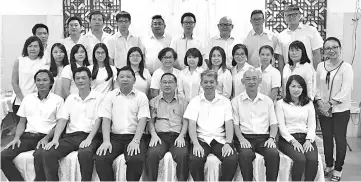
[74,50]
[141,64]
[303,98]
[53,67]
[106,62]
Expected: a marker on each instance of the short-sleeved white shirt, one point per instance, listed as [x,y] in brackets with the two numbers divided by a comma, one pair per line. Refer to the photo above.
[41,115]
[143,84]
[181,44]
[152,48]
[237,76]
[210,117]
[157,75]
[125,110]
[189,84]
[89,41]
[100,84]
[271,78]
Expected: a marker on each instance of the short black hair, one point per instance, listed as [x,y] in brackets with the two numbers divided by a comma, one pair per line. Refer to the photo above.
[257,11]
[74,18]
[123,14]
[164,51]
[157,17]
[51,77]
[235,48]
[126,68]
[171,74]
[334,39]
[266,47]
[81,69]
[188,14]
[39,25]
[96,13]
[28,42]
[194,52]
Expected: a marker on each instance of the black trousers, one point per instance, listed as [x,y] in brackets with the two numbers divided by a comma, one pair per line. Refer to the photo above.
[156,153]
[196,164]
[14,115]
[28,142]
[120,142]
[302,162]
[335,126]
[47,161]
[247,155]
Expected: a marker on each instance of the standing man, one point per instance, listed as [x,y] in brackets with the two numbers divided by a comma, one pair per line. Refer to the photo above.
[80,117]
[255,126]
[95,34]
[125,111]
[185,41]
[308,35]
[122,41]
[155,43]
[38,114]
[168,129]
[211,129]
[224,40]
[42,31]
[258,37]
[74,29]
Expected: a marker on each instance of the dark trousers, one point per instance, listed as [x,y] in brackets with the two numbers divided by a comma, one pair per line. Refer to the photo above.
[247,155]
[14,115]
[47,161]
[28,142]
[335,126]
[302,162]
[120,142]
[156,153]
[196,164]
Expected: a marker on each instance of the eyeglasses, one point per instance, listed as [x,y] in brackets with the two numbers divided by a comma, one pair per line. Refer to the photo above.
[123,21]
[158,24]
[289,15]
[167,57]
[239,55]
[257,19]
[188,22]
[99,53]
[225,24]
[328,49]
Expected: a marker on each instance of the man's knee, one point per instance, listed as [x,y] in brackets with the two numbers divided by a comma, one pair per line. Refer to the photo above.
[246,154]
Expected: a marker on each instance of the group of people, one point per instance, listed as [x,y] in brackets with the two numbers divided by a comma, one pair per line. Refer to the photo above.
[159,94]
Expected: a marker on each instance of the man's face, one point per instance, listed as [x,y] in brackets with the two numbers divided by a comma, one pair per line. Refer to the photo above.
[96,22]
[209,84]
[225,26]
[74,27]
[188,24]
[251,80]
[292,17]
[123,23]
[168,84]
[42,81]
[158,26]
[42,34]
[257,20]
[82,80]
[125,79]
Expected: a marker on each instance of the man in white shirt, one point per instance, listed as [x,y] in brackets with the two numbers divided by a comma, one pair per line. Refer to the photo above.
[211,129]
[95,34]
[38,115]
[255,126]
[74,29]
[307,34]
[122,41]
[155,43]
[124,112]
[80,117]
[258,37]
[42,31]
[187,40]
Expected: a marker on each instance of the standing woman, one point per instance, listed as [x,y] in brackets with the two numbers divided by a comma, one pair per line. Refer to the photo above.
[217,63]
[297,123]
[299,64]
[240,65]
[24,70]
[58,60]
[78,58]
[103,74]
[190,77]
[135,60]
[335,81]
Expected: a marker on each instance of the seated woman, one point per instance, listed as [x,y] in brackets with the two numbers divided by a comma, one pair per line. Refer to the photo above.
[58,60]
[297,124]
[38,115]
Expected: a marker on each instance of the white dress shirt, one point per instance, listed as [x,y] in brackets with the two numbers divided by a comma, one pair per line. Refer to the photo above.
[253,117]
[89,41]
[189,84]
[100,84]
[271,78]
[181,44]
[224,86]
[41,115]
[125,111]
[210,117]
[237,76]
[152,48]
[157,75]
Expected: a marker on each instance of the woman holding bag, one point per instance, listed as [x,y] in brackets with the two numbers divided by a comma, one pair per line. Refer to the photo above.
[334,84]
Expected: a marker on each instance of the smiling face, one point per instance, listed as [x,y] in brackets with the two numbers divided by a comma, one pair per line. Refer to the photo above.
[82,80]
[74,27]
[240,56]
[33,49]
[135,58]
[42,81]
[125,79]
[251,79]
[257,20]
[100,54]
[225,26]
[123,24]
[58,55]
[216,58]
[192,61]
[96,22]
[266,57]
[295,89]
[209,84]
[168,59]
[332,49]
[188,24]
[295,54]
[292,17]
[80,55]
[158,26]
[168,84]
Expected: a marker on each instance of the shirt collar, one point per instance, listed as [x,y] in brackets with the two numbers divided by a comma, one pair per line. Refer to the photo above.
[218,37]
[300,26]
[91,95]
[244,96]
[183,36]
[118,34]
[46,97]
[90,33]
[120,92]
[267,69]
[174,97]
[153,37]
[198,69]
[216,97]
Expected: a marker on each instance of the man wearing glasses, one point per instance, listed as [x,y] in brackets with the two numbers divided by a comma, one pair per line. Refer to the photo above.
[122,41]
[258,37]
[308,35]
[187,40]
[224,40]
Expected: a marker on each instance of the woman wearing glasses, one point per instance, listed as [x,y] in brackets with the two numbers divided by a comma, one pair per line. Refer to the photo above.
[334,84]
[240,65]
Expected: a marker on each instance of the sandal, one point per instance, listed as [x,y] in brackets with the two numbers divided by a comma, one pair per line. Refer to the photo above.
[327,173]
[335,178]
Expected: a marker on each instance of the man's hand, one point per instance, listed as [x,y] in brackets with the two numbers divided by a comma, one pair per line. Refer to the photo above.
[154,141]
[270,143]
[245,143]
[180,142]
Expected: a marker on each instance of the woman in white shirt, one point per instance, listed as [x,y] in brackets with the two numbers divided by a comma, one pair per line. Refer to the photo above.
[297,123]
[335,81]
[299,64]
[240,65]
[190,77]
[135,60]
[78,58]
[58,60]
[103,74]
[217,63]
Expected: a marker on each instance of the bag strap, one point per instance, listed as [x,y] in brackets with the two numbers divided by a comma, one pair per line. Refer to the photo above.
[339,66]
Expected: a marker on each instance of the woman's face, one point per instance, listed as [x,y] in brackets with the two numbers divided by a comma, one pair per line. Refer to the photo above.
[192,61]
[135,58]
[332,49]
[216,58]
[168,59]
[295,54]
[33,49]
[295,89]
[240,56]
[58,55]
[100,54]
[265,56]
[80,55]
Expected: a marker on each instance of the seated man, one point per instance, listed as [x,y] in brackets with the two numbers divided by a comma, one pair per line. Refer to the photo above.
[255,126]
[80,116]
[125,111]
[169,130]
[38,115]
[211,129]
